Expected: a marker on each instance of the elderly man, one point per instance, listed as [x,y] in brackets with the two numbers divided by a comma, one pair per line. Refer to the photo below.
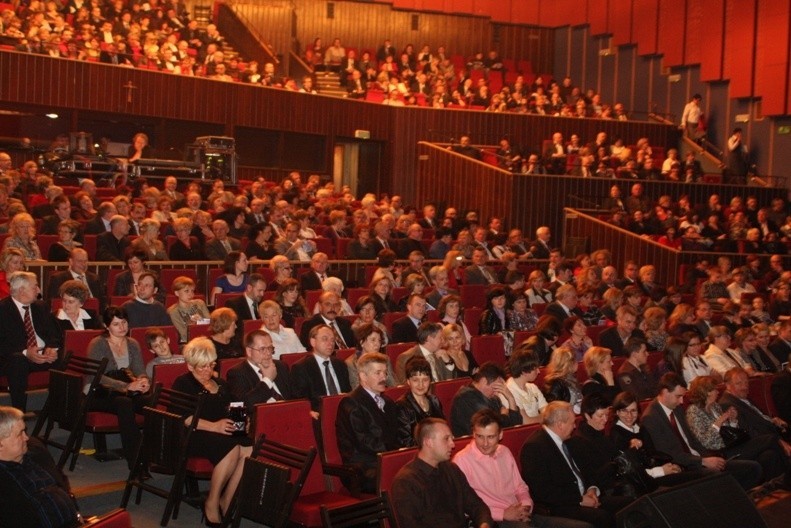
[492,472]
[260,378]
[430,491]
[479,272]
[31,336]
[413,242]
[32,490]
[367,421]
[556,481]
[565,301]
[318,273]
[78,270]
[540,246]
[101,222]
[111,246]
[486,391]
[285,340]
[221,244]
[144,309]
[329,309]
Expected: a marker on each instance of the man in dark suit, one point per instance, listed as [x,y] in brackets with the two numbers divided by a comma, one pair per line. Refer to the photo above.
[245,306]
[222,244]
[737,388]
[313,279]
[260,378]
[329,306]
[413,242]
[781,393]
[665,421]
[321,373]
[479,272]
[61,210]
[429,338]
[540,246]
[31,337]
[78,270]
[111,246]
[367,421]
[405,328]
[101,222]
[565,301]
[781,345]
[556,483]
[615,337]
[703,322]
[483,392]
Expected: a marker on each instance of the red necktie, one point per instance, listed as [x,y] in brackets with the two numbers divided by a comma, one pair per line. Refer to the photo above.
[30,334]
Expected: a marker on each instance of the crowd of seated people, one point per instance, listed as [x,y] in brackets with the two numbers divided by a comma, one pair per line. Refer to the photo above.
[718,322]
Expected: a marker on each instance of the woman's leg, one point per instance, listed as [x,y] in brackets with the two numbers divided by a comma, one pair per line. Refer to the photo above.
[233,482]
[219,477]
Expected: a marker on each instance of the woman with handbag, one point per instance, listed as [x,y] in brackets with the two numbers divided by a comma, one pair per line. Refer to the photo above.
[124,384]
[719,430]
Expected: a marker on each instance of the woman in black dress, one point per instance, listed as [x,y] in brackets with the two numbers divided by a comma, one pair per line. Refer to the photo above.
[214,436]
[418,402]
[262,242]
[222,323]
[292,303]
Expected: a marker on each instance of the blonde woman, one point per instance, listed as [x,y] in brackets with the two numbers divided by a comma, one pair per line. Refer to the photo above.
[601,380]
[148,240]
[22,229]
[560,382]
[187,310]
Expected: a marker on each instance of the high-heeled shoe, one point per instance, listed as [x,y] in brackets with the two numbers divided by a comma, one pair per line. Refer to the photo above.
[205,520]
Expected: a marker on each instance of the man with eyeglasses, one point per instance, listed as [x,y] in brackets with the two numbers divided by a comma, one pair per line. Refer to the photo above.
[293,247]
[261,378]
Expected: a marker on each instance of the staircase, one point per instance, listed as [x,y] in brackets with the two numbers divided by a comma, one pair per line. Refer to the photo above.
[327,83]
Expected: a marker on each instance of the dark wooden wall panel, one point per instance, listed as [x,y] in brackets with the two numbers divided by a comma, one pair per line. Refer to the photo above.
[599,16]
[529,43]
[646,22]
[712,53]
[621,21]
[739,46]
[771,55]
[247,27]
[671,31]
[696,32]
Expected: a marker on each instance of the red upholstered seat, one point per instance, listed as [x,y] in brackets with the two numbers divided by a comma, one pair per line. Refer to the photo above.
[488,348]
[199,465]
[307,508]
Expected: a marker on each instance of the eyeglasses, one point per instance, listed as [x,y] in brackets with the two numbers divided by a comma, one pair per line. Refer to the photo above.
[207,366]
[269,349]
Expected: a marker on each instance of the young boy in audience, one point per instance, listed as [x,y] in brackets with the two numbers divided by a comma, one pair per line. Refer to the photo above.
[159,344]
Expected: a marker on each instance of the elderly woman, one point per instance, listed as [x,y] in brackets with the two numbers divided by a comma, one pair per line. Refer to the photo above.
[281,268]
[656,336]
[61,250]
[523,366]
[187,310]
[369,339]
[234,278]
[262,242]
[387,268]
[454,348]
[451,311]
[578,340]
[184,247]
[222,325]
[22,229]
[720,357]
[613,298]
[746,346]
[521,317]
[11,260]
[706,420]
[284,339]
[84,209]
[214,436]
[380,295]
[289,297]
[126,281]
[163,211]
[366,309]
[71,315]
[125,380]
[560,382]
[335,285]
[418,402]
[601,380]
[149,242]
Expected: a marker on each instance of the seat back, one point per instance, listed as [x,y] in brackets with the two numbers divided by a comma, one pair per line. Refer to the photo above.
[362,513]
[330,454]
[472,316]
[227,364]
[394,350]
[165,436]
[166,374]
[396,392]
[389,463]
[488,348]
[291,359]
[76,341]
[198,330]
[262,492]
[514,438]
[473,295]
[446,390]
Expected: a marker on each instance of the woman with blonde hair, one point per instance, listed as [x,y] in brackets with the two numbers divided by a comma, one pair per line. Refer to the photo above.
[601,379]
[656,336]
[682,320]
[560,382]
[452,264]
[214,437]
[282,270]
[148,240]
[456,351]
[187,310]
[11,260]
[22,229]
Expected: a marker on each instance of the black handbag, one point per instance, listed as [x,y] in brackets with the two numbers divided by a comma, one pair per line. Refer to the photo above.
[733,436]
